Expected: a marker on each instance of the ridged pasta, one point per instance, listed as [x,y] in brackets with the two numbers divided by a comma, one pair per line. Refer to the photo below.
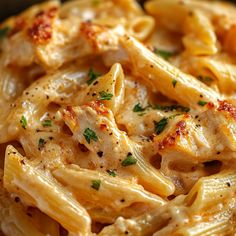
[118,117]
[22,178]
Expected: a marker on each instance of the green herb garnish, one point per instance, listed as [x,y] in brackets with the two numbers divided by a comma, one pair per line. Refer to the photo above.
[90,135]
[164,54]
[92,76]
[172,108]
[205,79]
[47,123]
[4,31]
[160,125]
[96,184]
[23,122]
[174,82]
[105,96]
[41,143]
[111,173]
[138,108]
[202,103]
[173,116]
[142,114]
[129,160]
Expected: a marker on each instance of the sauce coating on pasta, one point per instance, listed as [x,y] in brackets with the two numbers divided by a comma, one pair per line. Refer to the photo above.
[118,120]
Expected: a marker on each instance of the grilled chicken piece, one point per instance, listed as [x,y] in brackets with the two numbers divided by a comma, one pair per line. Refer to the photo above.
[94,127]
[40,36]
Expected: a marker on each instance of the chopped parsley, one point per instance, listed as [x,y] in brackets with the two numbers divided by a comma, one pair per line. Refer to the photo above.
[41,143]
[173,116]
[142,114]
[174,82]
[160,125]
[164,54]
[205,79]
[23,122]
[105,96]
[202,103]
[175,107]
[172,108]
[47,123]
[4,31]
[89,135]
[96,184]
[138,108]
[129,160]
[92,76]
[111,173]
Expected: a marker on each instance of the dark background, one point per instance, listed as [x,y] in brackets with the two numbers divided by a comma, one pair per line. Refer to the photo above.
[12,7]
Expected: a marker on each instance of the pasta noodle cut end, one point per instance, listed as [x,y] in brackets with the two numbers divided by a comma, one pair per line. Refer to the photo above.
[22,178]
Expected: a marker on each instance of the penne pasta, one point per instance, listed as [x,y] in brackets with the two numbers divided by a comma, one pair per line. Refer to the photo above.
[210,190]
[160,75]
[15,180]
[111,85]
[121,203]
[118,117]
[77,120]
[142,27]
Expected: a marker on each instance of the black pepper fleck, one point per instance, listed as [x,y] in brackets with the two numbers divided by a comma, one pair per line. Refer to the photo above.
[22,162]
[100,153]
[17,199]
